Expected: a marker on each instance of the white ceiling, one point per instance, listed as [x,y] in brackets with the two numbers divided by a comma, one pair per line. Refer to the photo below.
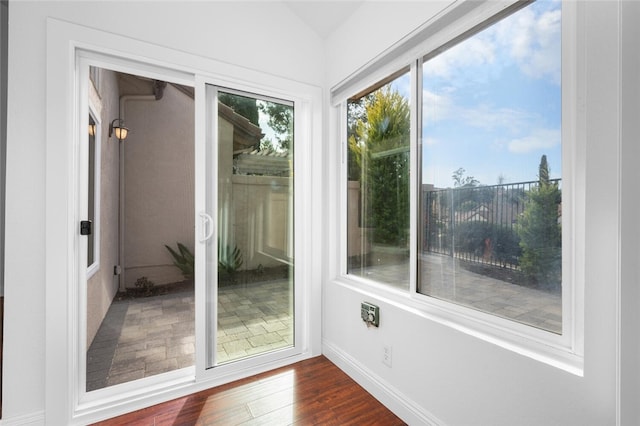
[323,16]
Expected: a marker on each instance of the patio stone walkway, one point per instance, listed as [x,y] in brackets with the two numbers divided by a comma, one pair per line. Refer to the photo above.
[448,281]
[147,336]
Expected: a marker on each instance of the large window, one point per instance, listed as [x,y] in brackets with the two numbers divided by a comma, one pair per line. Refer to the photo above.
[490,202]
[378,133]
[488,184]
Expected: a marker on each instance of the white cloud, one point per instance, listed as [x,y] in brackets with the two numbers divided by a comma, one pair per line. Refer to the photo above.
[490,118]
[472,52]
[538,140]
[532,42]
[430,141]
[528,38]
[436,107]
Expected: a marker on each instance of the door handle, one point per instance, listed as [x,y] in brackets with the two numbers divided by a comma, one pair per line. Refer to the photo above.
[86,227]
[208,232]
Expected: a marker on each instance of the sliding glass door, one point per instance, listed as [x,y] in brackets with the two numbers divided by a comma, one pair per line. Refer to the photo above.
[138,215]
[203,281]
[250,284]
[179,268]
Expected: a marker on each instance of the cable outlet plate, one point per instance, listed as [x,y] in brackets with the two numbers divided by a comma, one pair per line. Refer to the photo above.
[370,314]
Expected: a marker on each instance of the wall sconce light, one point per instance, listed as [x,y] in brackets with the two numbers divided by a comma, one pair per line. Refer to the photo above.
[119,130]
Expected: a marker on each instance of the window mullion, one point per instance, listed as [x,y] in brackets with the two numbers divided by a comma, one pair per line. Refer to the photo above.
[415,103]
[343,185]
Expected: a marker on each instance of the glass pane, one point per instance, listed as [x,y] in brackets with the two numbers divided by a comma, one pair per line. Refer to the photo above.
[490,210]
[140,305]
[378,184]
[255,227]
[91,213]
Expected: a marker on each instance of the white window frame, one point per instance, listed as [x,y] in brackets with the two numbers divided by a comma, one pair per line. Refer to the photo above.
[97,162]
[565,351]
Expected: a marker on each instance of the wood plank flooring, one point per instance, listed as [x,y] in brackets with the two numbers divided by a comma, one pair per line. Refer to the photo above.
[1,347]
[310,392]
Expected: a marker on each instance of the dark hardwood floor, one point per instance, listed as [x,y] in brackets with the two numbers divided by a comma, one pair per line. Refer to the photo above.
[310,392]
[1,348]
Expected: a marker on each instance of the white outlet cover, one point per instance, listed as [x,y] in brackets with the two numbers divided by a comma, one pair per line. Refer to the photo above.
[386,355]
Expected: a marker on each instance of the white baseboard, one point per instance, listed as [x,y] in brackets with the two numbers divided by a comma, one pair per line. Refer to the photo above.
[399,404]
[394,400]
[33,419]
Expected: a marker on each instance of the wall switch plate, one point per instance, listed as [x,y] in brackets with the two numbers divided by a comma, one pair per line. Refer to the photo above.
[370,313]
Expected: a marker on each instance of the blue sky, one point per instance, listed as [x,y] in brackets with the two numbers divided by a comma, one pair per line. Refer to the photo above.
[492,103]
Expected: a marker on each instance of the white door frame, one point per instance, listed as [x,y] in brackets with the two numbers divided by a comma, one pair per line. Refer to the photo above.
[66,403]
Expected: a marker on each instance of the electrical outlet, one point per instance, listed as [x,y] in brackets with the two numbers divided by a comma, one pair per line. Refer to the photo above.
[386,355]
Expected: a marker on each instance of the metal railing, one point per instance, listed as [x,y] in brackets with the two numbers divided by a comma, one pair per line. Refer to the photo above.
[476,224]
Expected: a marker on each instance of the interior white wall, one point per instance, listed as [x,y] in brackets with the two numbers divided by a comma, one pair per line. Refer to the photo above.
[630,211]
[261,36]
[372,29]
[455,377]
[444,376]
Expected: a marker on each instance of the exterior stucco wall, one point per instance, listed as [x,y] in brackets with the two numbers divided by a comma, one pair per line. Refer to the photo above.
[159,185]
[103,285]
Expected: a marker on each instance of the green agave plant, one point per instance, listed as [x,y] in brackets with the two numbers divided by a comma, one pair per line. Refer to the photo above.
[229,260]
[183,259]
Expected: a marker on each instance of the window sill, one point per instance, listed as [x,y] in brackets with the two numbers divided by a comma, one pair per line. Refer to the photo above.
[540,345]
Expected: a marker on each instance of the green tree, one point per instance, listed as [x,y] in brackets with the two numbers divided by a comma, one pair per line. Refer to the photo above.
[543,171]
[462,181]
[468,193]
[241,105]
[356,120]
[379,159]
[280,119]
[540,232]
[266,144]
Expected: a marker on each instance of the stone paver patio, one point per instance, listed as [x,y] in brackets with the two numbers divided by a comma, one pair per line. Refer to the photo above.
[147,336]
[445,279]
